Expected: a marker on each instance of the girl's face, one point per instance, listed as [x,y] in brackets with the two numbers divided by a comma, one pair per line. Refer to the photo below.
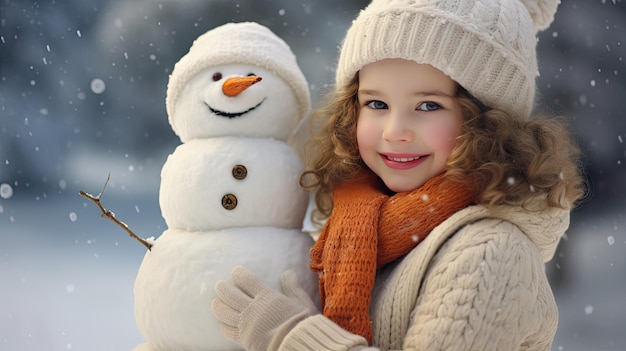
[409,120]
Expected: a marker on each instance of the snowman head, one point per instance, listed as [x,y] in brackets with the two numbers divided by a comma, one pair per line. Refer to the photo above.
[198,106]
[235,100]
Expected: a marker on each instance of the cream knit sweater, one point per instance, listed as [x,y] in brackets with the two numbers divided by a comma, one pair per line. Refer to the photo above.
[477,282]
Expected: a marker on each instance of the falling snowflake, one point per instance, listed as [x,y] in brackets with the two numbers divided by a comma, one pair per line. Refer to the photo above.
[610,239]
[98,86]
[6,191]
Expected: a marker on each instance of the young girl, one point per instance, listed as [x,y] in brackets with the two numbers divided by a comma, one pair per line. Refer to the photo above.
[442,197]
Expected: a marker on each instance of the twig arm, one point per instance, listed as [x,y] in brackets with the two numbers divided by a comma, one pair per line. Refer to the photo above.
[111,216]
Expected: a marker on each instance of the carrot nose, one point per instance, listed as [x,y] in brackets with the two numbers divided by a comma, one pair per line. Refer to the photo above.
[236,85]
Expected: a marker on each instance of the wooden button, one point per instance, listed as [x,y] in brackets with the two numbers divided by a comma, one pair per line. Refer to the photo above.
[240,172]
[229,201]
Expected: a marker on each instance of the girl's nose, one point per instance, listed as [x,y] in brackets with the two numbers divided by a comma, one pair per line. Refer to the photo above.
[236,85]
[397,129]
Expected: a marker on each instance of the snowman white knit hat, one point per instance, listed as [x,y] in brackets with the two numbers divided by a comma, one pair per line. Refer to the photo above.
[240,43]
[487,46]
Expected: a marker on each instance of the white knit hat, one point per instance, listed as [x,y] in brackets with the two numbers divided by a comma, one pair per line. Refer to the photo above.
[487,46]
[239,43]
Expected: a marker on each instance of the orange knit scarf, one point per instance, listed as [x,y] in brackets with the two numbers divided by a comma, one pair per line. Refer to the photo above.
[368,229]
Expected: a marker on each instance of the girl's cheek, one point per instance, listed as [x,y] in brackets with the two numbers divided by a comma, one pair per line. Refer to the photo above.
[365,133]
[444,136]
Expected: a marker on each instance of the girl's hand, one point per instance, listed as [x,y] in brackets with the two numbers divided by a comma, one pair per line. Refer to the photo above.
[256,316]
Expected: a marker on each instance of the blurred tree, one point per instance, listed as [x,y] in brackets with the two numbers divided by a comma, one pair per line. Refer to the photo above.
[582,77]
[89,76]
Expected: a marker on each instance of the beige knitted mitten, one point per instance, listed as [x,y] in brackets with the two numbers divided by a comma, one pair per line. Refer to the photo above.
[256,316]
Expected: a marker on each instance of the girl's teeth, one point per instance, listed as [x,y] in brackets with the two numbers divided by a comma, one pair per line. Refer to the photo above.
[403,159]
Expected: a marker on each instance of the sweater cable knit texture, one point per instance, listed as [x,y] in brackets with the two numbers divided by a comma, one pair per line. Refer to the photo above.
[417,303]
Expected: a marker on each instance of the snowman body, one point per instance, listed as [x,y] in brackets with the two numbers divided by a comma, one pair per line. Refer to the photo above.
[229,193]
[235,186]
[174,286]
[223,182]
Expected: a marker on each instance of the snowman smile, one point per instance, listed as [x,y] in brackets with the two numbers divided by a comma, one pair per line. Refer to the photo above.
[233,114]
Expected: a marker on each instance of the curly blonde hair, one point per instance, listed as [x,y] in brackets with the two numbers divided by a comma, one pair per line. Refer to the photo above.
[510,160]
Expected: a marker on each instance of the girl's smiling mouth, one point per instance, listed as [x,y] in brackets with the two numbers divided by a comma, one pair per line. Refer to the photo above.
[402,161]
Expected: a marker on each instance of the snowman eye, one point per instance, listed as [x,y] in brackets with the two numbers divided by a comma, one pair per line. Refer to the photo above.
[217,76]
[251,74]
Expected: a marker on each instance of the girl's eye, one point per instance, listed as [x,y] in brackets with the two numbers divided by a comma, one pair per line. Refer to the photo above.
[376,105]
[429,106]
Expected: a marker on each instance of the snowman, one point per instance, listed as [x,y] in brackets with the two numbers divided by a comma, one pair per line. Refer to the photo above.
[229,193]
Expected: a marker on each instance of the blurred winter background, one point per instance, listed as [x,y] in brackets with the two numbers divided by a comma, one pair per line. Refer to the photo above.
[82,89]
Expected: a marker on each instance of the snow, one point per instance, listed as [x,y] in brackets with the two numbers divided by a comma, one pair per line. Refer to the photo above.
[65,284]
[174,285]
[6,191]
[591,293]
[98,86]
